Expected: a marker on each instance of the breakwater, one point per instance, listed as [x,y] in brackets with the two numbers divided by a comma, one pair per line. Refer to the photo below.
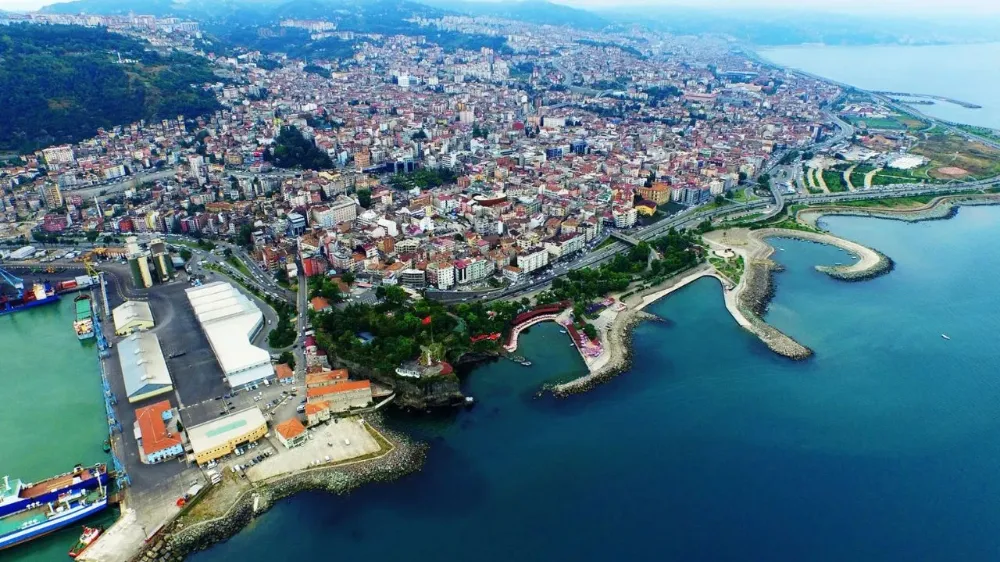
[752,298]
[620,348]
[939,208]
[179,539]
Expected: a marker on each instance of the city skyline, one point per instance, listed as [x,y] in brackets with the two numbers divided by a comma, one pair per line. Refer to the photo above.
[956,8]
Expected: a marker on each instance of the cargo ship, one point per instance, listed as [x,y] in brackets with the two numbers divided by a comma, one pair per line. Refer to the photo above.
[84,323]
[37,295]
[17,495]
[51,505]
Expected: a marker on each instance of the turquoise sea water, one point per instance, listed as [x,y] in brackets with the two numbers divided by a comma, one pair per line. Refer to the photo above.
[964,72]
[881,447]
[52,416]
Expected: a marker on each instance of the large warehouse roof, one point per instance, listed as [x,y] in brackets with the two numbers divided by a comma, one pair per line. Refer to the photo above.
[233,427]
[143,367]
[131,311]
[229,320]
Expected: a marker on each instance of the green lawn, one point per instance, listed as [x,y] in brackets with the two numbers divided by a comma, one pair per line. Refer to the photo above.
[889,123]
[834,181]
[239,265]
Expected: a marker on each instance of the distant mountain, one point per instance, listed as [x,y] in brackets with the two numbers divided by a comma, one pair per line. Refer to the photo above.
[60,83]
[355,13]
[530,11]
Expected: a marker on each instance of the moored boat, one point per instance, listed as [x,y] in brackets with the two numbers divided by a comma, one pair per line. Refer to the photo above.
[16,495]
[84,323]
[38,295]
[42,518]
[87,538]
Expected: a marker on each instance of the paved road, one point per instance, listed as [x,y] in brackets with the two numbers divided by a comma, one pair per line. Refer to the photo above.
[690,218]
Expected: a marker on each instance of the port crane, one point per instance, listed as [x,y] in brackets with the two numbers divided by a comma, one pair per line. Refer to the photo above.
[13,281]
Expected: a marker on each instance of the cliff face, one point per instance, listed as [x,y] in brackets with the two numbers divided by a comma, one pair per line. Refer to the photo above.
[437,392]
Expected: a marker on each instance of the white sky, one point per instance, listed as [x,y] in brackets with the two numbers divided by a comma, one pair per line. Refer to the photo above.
[963,8]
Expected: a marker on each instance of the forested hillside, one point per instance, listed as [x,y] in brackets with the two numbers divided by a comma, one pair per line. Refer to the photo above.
[60,83]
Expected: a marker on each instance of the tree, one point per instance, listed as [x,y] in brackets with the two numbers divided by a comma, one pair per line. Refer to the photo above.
[348,278]
[288,358]
[92,236]
[185,254]
[293,150]
[244,237]
[590,331]
[228,253]
[365,198]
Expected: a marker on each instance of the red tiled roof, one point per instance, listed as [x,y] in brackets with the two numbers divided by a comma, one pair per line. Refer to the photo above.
[291,428]
[346,386]
[326,376]
[283,371]
[153,428]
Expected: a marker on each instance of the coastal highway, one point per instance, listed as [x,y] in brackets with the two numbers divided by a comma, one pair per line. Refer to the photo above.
[692,217]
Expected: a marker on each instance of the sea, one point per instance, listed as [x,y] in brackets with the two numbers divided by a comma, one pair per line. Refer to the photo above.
[962,72]
[52,416]
[881,447]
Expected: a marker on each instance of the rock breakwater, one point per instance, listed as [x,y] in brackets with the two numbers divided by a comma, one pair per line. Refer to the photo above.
[177,539]
[620,348]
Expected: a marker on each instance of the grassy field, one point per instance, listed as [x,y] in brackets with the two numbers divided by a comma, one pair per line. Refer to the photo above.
[239,265]
[952,150]
[887,123]
[895,202]
[982,132]
[731,268]
[834,181]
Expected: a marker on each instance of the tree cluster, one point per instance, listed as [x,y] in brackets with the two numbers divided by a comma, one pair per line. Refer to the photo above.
[293,150]
[60,83]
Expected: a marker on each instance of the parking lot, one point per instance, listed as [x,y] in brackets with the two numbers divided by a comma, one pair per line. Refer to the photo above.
[331,442]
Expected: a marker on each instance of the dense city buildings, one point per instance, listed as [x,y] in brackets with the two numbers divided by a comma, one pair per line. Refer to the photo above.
[434,168]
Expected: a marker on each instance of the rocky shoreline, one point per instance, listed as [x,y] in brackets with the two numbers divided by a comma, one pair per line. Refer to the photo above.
[621,355]
[752,299]
[176,541]
[939,208]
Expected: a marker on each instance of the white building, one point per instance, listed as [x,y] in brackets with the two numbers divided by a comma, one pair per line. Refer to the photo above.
[532,260]
[230,320]
[58,155]
[624,218]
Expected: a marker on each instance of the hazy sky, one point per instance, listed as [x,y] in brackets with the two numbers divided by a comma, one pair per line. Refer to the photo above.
[967,8]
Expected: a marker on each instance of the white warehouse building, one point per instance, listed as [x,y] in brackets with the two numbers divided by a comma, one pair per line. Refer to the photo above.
[230,320]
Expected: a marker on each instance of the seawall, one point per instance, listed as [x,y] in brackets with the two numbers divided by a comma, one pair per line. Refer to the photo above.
[939,208]
[178,540]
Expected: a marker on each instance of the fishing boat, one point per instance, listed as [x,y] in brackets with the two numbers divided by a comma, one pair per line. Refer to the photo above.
[87,538]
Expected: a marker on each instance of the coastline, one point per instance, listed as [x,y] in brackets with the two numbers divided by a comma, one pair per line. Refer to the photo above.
[940,208]
[185,535]
[746,302]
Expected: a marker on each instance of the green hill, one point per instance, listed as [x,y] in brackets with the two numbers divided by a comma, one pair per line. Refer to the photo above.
[60,83]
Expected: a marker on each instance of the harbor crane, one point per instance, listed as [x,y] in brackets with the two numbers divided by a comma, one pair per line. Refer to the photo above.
[13,281]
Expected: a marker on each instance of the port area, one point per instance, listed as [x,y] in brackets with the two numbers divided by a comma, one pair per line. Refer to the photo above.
[150,493]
